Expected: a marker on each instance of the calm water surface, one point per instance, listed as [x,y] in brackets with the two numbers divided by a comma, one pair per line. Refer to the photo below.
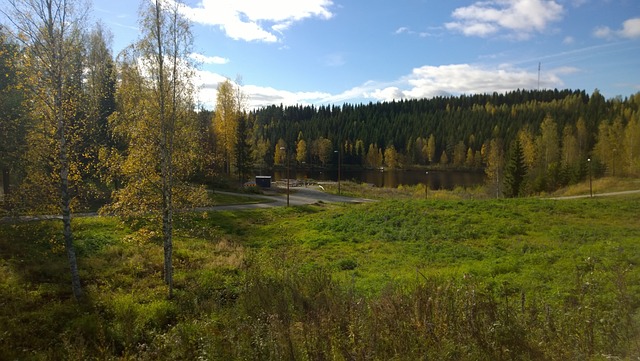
[389,178]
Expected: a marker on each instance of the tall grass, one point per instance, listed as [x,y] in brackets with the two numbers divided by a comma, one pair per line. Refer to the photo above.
[600,185]
[417,191]
[398,279]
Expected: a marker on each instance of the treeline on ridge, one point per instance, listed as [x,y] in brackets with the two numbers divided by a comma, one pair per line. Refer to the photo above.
[558,131]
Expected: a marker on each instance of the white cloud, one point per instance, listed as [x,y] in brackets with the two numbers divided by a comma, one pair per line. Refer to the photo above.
[263,96]
[386,94]
[422,82]
[256,20]
[258,96]
[519,18]
[334,60]
[568,40]
[603,32]
[630,30]
[429,81]
[208,59]
[408,31]
[455,79]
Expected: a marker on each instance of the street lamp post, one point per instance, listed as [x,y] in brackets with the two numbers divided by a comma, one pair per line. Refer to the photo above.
[426,186]
[339,166]
[286,154]
[590,184]
[613,163]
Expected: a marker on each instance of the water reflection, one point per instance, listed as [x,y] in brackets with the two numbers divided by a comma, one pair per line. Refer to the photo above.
[390,178]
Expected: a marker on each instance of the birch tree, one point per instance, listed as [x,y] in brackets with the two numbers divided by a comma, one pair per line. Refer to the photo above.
[548,145]
[156,115]
[165,50]
[280,152]
[391,157]
[547,163]
[51,33]
[631,157]
[495,166]
[225,122]
[430,150]
[301,151]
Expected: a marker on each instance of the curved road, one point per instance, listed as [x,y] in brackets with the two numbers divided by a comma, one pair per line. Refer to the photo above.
[599,194]
[299,196]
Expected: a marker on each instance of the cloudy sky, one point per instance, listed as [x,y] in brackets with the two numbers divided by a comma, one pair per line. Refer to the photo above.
[356,51]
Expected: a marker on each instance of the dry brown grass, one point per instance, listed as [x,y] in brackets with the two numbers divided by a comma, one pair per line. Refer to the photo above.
[600,185]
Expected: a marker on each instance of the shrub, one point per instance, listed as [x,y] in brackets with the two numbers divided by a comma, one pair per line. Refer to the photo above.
[347,264]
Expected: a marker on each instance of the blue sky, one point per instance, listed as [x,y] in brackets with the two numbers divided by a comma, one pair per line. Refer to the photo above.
[354,51]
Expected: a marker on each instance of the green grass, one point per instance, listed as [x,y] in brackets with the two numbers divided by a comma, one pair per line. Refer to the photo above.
[220,199]
[521,279]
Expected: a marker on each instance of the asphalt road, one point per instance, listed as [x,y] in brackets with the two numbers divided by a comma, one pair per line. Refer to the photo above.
[599,195]
[299,196]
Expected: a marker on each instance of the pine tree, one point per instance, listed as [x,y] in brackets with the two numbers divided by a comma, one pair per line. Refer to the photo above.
[243,148]
[13,124]
[97,148]
[515,171]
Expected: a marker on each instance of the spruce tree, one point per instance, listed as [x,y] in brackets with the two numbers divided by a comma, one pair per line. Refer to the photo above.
[243,148]
[515,171]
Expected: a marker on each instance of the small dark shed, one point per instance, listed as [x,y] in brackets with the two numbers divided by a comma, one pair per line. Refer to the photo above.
[263,181]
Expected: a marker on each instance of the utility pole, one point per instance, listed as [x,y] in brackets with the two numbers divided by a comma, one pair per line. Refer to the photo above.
[426,186]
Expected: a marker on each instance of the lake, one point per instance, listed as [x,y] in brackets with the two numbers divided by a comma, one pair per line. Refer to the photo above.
[438,179]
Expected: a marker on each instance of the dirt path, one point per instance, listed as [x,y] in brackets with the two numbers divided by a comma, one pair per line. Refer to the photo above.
[608,194]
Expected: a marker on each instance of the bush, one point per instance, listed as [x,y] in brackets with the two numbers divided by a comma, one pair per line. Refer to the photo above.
[347,265]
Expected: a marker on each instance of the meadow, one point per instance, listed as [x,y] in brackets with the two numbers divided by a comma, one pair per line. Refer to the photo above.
[398,279]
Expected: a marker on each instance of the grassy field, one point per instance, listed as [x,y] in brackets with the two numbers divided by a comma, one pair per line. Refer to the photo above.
[599,185]
[446,279]
[220,199]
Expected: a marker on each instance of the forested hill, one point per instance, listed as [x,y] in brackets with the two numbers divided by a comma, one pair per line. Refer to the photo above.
[557,130]
[472,119]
